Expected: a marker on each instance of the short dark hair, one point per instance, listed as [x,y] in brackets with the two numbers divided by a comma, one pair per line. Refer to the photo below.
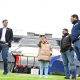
[75,16]
[65,29]
[4,20]
[42,35]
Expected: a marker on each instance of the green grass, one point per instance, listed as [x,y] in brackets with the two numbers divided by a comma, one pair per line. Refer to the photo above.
[19,76]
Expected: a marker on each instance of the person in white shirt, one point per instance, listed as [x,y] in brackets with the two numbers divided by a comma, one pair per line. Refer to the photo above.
[6,37]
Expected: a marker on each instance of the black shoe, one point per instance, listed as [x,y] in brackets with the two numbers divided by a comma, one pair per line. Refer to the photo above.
[73,78]
[79,75]
[5,73]
[67,78]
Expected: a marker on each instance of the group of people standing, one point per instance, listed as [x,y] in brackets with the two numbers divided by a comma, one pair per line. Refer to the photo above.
[70,44]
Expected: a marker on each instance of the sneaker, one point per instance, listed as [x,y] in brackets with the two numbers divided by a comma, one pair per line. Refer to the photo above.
[40,76]
[67,79]
[46,77]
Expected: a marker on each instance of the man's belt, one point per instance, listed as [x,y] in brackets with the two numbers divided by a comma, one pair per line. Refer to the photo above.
[2,42]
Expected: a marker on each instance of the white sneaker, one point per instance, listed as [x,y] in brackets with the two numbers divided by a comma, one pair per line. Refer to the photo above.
[73,79]
[40,76]
[46,77]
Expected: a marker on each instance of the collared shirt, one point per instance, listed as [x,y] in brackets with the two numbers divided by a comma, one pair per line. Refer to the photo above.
[3,34]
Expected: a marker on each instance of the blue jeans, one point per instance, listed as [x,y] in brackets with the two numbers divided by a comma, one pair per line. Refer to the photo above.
[4,50]
[77,49]
[44,67]
[69,65]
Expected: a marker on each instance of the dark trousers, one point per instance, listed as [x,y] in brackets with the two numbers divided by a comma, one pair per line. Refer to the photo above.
[4,51]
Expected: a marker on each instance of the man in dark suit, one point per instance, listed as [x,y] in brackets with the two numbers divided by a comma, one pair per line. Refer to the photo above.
[6,37]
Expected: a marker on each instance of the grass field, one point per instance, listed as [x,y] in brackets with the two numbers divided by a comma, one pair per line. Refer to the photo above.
[18,76]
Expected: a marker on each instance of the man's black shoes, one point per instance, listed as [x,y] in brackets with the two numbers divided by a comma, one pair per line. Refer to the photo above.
[5,73]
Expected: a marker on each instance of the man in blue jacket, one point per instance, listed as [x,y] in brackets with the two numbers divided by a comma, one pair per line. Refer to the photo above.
[75,34]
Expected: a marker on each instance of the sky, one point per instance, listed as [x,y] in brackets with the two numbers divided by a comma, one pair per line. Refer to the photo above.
[39,16]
